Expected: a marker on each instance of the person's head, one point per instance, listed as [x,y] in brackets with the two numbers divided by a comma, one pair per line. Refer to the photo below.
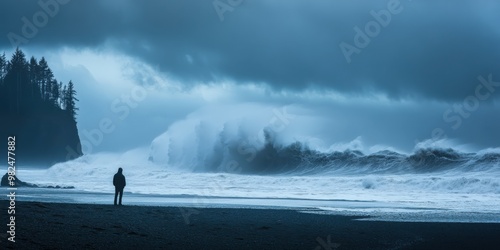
[120,170]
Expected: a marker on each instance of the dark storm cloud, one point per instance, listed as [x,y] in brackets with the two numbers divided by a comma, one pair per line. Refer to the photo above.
[429,49]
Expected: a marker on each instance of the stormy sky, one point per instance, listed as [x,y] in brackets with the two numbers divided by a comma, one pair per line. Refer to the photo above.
[360,73]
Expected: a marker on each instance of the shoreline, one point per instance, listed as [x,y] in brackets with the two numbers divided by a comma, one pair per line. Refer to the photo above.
[375,210]
[72,225]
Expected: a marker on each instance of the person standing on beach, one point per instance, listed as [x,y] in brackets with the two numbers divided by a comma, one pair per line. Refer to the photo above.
[119,183]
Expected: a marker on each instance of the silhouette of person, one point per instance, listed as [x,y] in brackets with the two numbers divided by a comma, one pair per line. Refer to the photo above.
[119,183]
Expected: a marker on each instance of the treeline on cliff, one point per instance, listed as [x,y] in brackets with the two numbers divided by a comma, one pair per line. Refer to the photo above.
[38,110]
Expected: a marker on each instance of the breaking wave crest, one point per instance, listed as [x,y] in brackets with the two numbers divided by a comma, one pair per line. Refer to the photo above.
[199,146]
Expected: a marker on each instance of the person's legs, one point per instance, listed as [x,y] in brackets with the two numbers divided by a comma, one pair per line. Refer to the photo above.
[116,195]
[121,194]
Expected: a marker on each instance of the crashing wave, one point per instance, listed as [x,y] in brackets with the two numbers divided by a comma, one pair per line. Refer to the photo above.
[232,152]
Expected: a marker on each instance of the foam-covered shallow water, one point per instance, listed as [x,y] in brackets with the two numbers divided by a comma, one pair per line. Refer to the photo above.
[211,167]
[368,210]
[438,196]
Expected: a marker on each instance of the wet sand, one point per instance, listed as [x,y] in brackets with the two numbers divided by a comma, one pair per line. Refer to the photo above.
[84,226]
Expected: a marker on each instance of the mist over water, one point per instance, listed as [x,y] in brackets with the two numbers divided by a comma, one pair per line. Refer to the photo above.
[273,146]
[254,151]
[259,151]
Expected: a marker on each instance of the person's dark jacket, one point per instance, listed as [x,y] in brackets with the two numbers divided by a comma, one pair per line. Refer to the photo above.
[119,180]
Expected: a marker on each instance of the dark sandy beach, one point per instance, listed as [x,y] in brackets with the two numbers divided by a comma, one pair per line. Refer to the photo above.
[83,226]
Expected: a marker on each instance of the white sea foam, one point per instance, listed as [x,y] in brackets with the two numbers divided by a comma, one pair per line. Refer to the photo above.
[192,156]
[474,192]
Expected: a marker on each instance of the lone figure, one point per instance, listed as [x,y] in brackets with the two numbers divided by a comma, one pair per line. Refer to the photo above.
[119,183]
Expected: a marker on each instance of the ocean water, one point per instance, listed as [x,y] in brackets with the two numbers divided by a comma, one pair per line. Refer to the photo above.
[453,194]
[204,163]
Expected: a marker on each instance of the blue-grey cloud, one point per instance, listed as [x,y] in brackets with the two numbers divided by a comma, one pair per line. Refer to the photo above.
[429,49]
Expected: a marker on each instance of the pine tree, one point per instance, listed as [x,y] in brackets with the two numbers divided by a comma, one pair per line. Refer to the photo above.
[18,63]
[3,68]
[71,100]
[3,89]
[44,72]
[64,94]
[49,80]
[34,79]
[61,95]
[54,94]
[17,80]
